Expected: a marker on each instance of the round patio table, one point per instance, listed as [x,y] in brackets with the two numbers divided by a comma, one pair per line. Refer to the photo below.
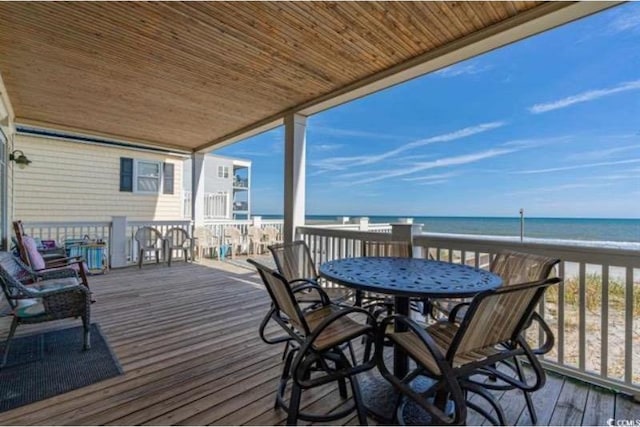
[405,278]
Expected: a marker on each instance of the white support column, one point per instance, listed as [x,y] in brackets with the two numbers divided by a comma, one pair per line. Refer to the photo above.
[249,192]
[118,244]
[197,189]
[295,126]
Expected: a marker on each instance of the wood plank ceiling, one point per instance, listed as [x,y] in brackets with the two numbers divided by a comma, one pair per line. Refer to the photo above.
[184,74]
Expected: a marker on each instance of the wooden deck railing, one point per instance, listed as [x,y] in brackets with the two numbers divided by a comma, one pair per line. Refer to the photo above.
[594,312]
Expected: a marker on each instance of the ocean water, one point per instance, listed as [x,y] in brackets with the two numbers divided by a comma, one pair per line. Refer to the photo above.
[587,229]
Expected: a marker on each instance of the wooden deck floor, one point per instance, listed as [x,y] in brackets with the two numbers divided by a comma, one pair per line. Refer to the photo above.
[187,339]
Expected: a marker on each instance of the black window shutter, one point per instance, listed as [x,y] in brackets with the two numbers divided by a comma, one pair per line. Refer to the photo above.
[126,174]
[167,172]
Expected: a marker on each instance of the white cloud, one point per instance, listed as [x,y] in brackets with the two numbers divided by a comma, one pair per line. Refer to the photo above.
[431,177]
[438,181]
[565,168]
[555,189]
[584,97]
[462,69]
[325,147]
[537,142]
[603,153]
[628,20]
[440,163]
[617,177]
[341,163]
[327,130]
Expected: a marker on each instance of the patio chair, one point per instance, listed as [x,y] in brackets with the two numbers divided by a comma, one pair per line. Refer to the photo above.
[148,239]
[204,240]
[47,255]
[233,239]
[37,258]
[450,353]
[257,240]
[318,339]
[272,235]
[55,295]
[513,267]
[177,239]
[41,266]
[295,263]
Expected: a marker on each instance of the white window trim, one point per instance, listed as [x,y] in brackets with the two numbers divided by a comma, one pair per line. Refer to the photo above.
[135,176]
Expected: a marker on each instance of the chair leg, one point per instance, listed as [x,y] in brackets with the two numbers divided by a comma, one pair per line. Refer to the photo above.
[367,348]
[158,256]
[527,395]
[87,333]
[342,388]
[12,331]
[294,405]
[357,398]
[169,256]
[140,258]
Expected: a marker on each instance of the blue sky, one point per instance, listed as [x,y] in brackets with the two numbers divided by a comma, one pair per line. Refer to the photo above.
[550,124]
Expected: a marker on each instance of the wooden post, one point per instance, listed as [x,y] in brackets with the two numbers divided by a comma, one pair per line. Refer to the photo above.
[118,244]
[295,126]
[404,232]
[363,223]
[197,189]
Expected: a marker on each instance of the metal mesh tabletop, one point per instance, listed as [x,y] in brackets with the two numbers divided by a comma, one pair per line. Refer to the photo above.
[411,277]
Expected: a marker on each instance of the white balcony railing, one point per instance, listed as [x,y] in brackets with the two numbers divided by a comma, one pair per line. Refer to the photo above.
[594,312]
[216,205]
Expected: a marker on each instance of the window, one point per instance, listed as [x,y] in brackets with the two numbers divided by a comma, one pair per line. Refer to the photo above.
[223,171]
[146,176]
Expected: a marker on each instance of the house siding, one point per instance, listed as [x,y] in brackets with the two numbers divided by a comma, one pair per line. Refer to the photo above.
[71,181]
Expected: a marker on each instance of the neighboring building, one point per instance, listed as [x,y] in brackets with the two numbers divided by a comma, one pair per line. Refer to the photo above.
[227,188]
[91,179]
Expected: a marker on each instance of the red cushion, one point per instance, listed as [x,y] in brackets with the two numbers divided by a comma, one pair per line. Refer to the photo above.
[35,258]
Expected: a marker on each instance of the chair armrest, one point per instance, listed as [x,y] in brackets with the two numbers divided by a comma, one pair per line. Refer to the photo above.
[57,292]
[308,285]
[337,373]
[297,282]
[548,335]
[337,315]
[70,300]
[60,262]
[453,315]
[417,329]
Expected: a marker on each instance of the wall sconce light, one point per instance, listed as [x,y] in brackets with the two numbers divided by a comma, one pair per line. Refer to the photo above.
[20,159]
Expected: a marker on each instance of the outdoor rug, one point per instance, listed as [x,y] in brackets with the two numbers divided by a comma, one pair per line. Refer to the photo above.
[44,365]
